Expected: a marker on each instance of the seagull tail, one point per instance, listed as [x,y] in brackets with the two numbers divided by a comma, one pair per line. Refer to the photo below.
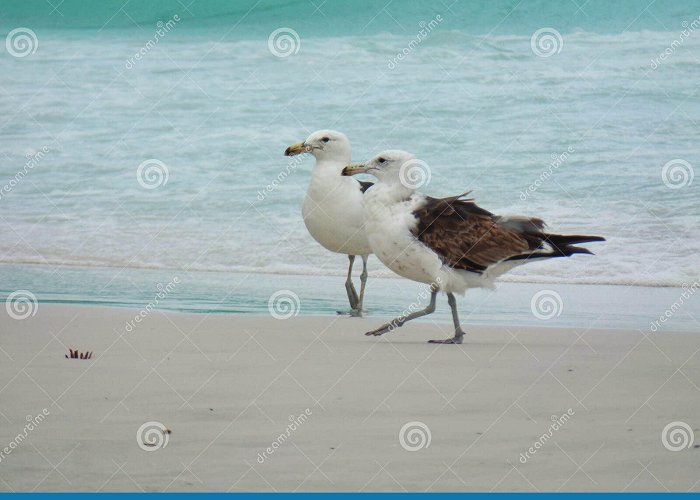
[560,246]
[564,240]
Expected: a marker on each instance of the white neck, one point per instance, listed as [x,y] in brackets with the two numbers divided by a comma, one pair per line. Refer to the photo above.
[327,168]
[391,192]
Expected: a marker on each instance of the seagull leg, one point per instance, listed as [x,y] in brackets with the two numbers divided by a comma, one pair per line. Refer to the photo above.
[363,283]
[459,333]
[350,289]
[399,322]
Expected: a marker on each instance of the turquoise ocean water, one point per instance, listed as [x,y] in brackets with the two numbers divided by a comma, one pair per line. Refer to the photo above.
[595,128]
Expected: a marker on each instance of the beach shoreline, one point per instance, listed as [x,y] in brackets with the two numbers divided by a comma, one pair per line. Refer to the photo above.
[517,304]
[229,386]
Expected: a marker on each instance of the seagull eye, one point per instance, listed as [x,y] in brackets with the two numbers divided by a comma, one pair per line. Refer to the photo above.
[325,139]
[382,161]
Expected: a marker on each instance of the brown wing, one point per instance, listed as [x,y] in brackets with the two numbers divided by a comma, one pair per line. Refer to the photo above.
[466,236]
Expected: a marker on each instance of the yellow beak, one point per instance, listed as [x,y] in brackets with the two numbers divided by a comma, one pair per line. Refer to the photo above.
[297,149]
[354,168]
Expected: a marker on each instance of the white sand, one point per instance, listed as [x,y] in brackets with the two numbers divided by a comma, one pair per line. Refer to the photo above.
[226,386]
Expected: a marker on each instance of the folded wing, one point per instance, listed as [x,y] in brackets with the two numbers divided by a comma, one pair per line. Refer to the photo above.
[467,237]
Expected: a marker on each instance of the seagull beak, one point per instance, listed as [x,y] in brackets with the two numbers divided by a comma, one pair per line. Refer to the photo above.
[297,149]
[355,168]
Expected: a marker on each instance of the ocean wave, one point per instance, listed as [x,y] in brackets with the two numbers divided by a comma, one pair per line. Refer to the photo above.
[486,114]
[289,270]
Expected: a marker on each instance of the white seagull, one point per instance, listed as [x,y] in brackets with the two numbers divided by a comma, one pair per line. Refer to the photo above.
[450,243]
[332,208]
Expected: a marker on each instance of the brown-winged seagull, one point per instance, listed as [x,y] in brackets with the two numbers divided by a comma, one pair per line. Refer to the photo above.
[451,244]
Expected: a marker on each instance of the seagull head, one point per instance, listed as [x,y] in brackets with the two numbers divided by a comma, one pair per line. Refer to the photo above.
[388,166]
[324,145]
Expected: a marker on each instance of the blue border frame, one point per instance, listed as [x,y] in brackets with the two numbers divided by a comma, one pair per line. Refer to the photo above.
[348,495]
